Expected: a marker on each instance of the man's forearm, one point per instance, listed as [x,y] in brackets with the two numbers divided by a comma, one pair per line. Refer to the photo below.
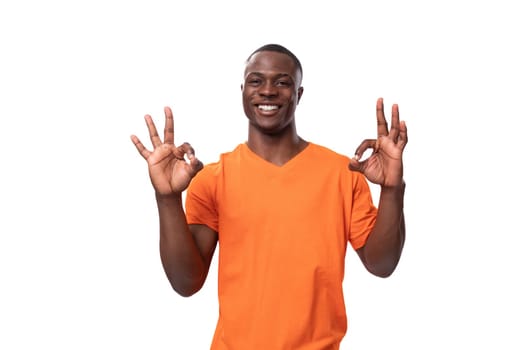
[180,256]
[385,243]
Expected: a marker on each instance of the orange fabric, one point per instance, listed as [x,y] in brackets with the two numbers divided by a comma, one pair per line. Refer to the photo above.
[283,233]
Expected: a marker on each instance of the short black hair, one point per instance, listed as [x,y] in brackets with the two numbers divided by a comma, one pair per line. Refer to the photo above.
[281,49]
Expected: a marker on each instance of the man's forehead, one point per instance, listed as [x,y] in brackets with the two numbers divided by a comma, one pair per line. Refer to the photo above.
[271,61]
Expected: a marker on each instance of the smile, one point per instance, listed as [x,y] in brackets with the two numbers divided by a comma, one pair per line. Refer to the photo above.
[268,107]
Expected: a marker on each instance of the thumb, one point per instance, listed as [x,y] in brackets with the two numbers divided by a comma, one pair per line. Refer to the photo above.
[195,164]
[356,165]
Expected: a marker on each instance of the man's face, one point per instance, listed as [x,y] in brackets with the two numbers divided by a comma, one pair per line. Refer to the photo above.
[271,91]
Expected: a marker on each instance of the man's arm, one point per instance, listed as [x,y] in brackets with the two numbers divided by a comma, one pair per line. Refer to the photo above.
[185,250]
[382,250]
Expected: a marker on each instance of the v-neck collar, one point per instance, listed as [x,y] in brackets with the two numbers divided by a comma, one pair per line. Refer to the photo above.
[256,158]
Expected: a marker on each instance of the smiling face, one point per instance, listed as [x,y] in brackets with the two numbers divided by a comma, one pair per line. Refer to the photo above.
[271,92]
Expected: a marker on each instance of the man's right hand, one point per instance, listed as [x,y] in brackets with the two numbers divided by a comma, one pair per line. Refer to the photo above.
[169,170]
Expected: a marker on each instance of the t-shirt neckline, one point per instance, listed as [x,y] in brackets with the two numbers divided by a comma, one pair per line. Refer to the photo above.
[286,165]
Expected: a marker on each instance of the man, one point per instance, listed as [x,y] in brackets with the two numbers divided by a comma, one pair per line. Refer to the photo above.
[283,210]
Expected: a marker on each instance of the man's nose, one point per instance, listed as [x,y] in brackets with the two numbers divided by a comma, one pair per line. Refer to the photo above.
[268,89]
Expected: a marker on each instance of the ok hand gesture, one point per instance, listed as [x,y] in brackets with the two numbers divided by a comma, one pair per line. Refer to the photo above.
[169,171]
[385,166]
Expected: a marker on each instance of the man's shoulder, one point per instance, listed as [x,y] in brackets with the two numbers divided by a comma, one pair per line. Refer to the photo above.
[327,153]
[224,157]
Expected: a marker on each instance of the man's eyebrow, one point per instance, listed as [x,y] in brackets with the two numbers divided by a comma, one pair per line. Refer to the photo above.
[276,76]
[255,73]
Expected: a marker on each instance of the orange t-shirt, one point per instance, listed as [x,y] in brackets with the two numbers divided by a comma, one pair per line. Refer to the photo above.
[283,233]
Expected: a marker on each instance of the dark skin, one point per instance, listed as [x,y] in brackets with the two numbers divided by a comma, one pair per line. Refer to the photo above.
[382,251]
[271,91]
[271,80]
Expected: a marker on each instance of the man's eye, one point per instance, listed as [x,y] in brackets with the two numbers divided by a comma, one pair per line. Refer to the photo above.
[283,83]
[254,81]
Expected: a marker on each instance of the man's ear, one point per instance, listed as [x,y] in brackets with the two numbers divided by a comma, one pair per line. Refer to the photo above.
[299,94]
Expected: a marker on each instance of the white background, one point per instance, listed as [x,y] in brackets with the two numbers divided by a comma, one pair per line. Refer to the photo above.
[79,264]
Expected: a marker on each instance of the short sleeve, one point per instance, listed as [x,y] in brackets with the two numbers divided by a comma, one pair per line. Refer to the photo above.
[363,213]
[200,203]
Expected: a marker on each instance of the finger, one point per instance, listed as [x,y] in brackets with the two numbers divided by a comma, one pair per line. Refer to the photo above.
[366,144]
[382,125]
[187,150]
[169,137]
[394,129]
[356,165]
[196,165]
[184,151]
[140,147]
[403,135]
[153,134]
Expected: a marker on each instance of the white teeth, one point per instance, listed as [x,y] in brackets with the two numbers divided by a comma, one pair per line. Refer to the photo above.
[268,107]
